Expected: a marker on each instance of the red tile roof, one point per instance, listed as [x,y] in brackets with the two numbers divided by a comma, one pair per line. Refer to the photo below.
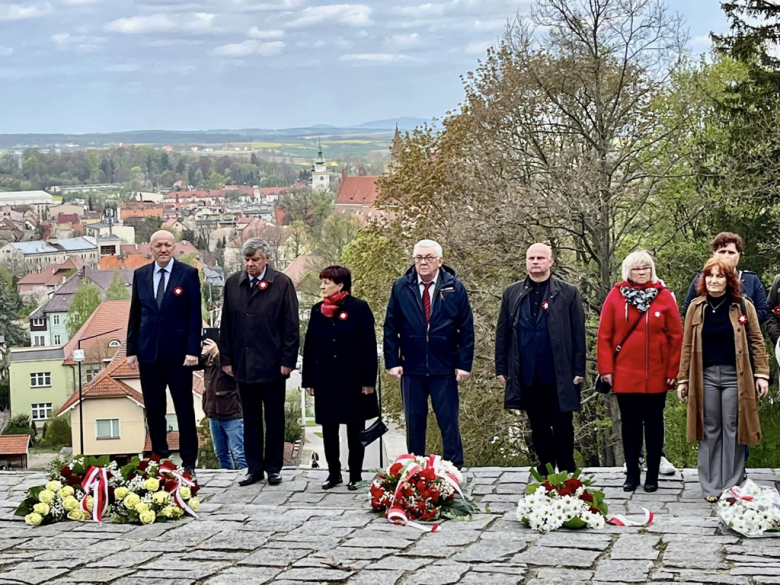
[302,265]
[358,190]
[103,386]
[52,274]
[152,212]
[272,191]
[108,316]
[146,249]
[173,442]
[130,261]
[14,444]
[68,218]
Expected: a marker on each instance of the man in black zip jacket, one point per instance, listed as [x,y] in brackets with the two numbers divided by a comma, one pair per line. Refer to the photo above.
[429,346]
[540,357]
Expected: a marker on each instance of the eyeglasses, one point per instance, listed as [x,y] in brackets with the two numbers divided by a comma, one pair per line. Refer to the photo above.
[641,269]
[426,259]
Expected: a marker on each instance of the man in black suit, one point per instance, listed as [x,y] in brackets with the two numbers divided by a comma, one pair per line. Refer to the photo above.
[259,347]
[163,341]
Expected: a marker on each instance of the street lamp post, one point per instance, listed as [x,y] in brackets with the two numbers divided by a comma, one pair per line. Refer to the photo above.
[78,356]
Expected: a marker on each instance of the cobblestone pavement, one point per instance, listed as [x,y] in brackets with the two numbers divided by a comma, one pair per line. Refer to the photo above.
[296,533]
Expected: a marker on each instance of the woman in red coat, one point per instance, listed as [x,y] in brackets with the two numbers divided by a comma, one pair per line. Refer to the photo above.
[640,315]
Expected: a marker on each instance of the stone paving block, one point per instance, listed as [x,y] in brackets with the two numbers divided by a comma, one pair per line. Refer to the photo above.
[702,556]
[123,560]
[383,577]
[576,539]
[244,576]
[488,551]
[623,571]
[398,562]
[573,576]
[678,575]
[31,576]
[173,566]
[95,575]
[312,574]
[636,547]
[235,540]
[557,557]
[437,574]
[152,579]
[267,557]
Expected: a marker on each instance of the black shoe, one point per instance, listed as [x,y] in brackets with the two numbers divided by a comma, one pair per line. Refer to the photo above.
[332,482]
[251,478]
[651,487]
[274,478]
[631,484]
[191,470]
[352,486]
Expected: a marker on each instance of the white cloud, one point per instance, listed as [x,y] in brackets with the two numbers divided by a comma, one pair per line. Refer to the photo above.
[250,47]
[258,33]
[349,14]
[374,57]
[478,47]
[154,23]
[400,42]
[81,43]
[128,67]
[80,2]
[424,10]
[22,11]
[173,43]
[6,51]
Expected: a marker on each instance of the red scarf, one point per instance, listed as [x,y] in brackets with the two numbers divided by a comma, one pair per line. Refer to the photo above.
[331,303]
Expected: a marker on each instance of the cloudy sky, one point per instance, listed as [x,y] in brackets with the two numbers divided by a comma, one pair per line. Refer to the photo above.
[106,65]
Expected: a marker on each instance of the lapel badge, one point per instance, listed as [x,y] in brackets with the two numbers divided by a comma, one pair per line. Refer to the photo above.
[742,319]
[178,291]
[545,305]
[343,315]
[658,313]
[262,285]
[776,310]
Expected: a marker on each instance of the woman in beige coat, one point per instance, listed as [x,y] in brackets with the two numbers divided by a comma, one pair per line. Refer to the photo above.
[717,377]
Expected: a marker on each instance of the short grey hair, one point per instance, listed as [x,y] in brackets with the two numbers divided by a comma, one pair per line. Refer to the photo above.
[254,245]
[639,258]
[428,244]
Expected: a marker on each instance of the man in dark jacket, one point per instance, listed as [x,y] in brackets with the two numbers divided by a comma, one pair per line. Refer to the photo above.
[429,346]
[540,356]
[773,317]
[163,339]
[259,347]
[222,405]
[729,246]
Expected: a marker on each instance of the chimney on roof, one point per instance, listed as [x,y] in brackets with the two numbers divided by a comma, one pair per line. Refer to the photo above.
[362,171]
[343,173]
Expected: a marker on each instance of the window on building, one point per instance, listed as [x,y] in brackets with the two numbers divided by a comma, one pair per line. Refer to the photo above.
[56,319]
[114,343]
[39,322]
[91,370]
[172,422]
[57,340]
[107,428]
[40,379]
[41,411]
[39,341]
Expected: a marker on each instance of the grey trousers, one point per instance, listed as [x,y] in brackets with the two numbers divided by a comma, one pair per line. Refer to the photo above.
[721,457]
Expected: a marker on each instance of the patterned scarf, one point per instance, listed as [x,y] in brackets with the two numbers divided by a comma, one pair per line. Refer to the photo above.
[331,303]
[640,298]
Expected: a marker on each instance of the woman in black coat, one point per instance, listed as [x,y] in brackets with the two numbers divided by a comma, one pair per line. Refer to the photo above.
[339,370]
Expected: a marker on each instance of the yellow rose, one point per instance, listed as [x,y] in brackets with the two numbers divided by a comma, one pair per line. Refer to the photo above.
[70,503]
[54,486]
[77,515]
[90,503]
[152,484]
[194,504]
[46,496]
[141,508]
[131,501]
[185,493]
[41,509]
[177,512]
[67,491]
[33,519]
[161,498]
[147,517]
[120,493]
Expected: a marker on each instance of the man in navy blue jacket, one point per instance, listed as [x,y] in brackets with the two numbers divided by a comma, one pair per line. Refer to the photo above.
[730,246]
[429,346]
[163,341]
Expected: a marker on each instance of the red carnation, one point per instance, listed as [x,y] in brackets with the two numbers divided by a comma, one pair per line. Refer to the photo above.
[73,480]
[573,484]
[155,458]
[428,474]
[395,470]
[66,471]
[195,489]
[586,497]
[421,486]
[563,492]
[170,485]
[143,465]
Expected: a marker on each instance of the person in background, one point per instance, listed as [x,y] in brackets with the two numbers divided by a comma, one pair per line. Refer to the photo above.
[429,346]
[729,247]
[339,370]
[222,406]
[640,316]
[540,357]
[773,317]
[722,336]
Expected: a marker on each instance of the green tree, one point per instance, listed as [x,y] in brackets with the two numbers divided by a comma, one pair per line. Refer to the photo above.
[117,290]
[58,432]
[85,300]
[337,232]
[9,310]
[207,459]
[145,229]
[309,206]
[19,425]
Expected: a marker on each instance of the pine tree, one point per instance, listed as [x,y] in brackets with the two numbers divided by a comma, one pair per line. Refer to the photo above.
[9,309]
[117,290]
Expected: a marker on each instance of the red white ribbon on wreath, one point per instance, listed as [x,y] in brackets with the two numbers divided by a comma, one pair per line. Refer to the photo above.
[620,520]
[396,514]
[96,481]
[180,480]
[733,492]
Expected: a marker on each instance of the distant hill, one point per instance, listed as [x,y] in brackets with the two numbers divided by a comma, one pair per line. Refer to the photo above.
[371,131]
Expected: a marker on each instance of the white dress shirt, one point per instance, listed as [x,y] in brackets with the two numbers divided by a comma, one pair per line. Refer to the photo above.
[421,284]
[157,275]
[259,278]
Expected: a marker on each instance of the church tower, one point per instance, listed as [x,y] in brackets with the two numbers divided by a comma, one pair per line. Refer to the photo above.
[320,177]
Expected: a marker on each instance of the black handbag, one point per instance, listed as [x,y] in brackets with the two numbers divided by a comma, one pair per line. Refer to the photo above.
[377,428]
[602,387]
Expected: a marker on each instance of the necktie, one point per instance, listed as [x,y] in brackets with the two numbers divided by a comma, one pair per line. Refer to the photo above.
[427,302]
[161,287]
[254,283]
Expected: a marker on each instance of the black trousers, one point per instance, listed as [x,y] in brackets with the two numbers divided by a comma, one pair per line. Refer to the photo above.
[255,399]
[552,431]
[154,379]
[642,412]
[330,436]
